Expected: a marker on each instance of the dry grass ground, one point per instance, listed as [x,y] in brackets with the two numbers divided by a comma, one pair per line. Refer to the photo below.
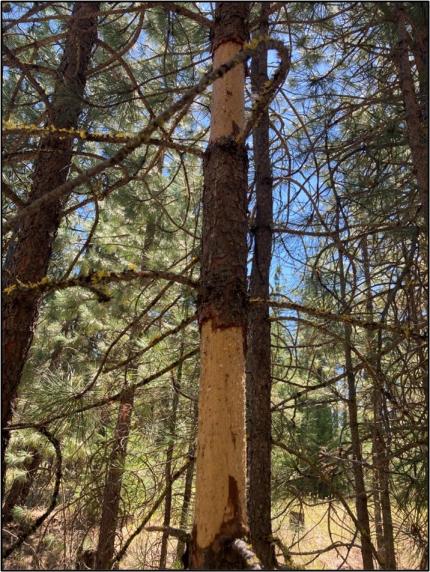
[327,524]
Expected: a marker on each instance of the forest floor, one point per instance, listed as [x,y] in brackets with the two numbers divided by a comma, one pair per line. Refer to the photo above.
[326,524]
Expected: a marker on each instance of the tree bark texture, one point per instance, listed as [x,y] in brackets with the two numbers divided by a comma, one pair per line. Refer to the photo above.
[31,245]
[258,357]
[112,489]
[220,509]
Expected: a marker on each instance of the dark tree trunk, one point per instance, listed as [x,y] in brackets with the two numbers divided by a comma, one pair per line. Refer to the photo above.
[188,488]
[384,529]
[168,469]
[220,510]
[112,489]
[113,484]
[357,458]
[416,114]
[258,357]
[31,245]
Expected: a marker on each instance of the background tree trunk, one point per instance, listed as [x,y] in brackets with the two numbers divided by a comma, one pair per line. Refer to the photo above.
[112,490]
[168,466]
[384,529]
[115,472]
[188,487]
[220,511]
[357,458]
[31,245]
[258,357]
[417,128]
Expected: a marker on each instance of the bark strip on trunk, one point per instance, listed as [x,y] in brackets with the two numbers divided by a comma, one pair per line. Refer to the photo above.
[31,245]
[220,511]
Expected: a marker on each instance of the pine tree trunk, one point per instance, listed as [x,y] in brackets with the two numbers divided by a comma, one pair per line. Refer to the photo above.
[417,128]
[377,515]
[113,484]
[379,449]
[188,488]
[31,244]
[258,357]
[168,469]
[112,489]
[357,458]
[220,511]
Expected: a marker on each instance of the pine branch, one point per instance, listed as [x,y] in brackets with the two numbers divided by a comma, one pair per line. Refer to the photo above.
[94,280]
[406,331]
[143,136]
[110,399]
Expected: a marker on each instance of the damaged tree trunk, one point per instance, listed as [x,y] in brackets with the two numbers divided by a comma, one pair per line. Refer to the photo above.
[220,519]
[31,244]
[258,357]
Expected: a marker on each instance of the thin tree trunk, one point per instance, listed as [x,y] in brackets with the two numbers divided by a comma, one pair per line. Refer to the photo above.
[377,508]
[188,488]
[220,511]
[379,448]
[115,472]
[417,129]
[112,489]
[357,458]
[31,244]
[258,357]
[168,468]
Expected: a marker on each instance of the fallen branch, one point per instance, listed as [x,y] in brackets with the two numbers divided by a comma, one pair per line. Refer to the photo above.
[182,535]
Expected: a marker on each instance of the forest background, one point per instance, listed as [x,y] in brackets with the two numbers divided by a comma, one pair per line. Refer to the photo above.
[104,138]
